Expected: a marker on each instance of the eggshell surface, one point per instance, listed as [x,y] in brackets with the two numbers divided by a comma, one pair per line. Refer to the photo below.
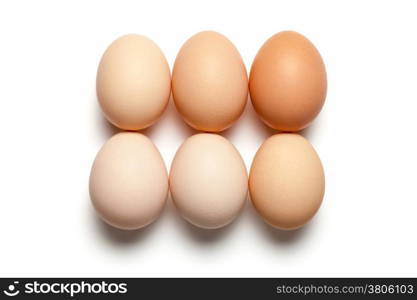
[286,181]
[288,82]
[128,181]
[208,181]
[133,82]
[209,82]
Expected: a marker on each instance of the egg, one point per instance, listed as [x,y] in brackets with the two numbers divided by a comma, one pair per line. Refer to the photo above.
[286,181]
[209,82]
[288,82]
[128,181]
[133,82]
[208,181]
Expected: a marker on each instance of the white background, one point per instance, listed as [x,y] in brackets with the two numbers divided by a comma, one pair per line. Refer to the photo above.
[52,128]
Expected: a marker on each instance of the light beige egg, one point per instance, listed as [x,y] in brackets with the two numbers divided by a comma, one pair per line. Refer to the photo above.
[209,82]
[128,181]
[133,82]
[286,181]
[208,181]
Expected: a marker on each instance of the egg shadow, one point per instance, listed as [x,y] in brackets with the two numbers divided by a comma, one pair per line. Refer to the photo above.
[120,237]
[250,117]
[309,131]
[172,118]
[274,235]
[200,235]
[106,128]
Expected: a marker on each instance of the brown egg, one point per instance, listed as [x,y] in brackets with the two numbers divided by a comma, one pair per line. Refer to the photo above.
[133,82]
[286,181]
[128,181]
[288,82]
[209,82]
